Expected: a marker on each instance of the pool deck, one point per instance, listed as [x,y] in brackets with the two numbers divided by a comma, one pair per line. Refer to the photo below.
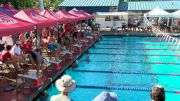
[49,75]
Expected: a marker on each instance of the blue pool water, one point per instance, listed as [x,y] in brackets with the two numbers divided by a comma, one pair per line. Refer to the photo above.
[124,62]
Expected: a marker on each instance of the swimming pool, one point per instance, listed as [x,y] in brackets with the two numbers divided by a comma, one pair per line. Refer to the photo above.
[129,66]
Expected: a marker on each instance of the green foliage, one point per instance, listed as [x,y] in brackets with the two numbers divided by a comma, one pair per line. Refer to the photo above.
[52,3]
[25,4]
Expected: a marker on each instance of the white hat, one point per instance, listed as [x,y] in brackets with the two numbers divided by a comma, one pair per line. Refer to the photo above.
[65,84]
[106,96]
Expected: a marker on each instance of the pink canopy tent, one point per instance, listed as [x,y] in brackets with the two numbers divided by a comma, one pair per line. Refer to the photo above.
[53,15]
[76,13]
[9,8]
[85,13]
[11,26]
[65,14]
[34,17]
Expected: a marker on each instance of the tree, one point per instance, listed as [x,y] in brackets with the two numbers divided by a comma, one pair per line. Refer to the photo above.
[52,3]
[25,4]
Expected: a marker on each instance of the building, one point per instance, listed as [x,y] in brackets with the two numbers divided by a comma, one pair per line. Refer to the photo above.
[138,6]
[91,6]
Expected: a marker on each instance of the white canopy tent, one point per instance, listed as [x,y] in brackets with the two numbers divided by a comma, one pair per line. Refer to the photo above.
[157,12]
[176,14]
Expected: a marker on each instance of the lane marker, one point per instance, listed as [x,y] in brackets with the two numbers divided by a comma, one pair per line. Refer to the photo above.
[124,88]
[127,72]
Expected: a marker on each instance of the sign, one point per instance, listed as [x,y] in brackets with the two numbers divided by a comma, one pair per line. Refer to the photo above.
[7,20]
[37,17]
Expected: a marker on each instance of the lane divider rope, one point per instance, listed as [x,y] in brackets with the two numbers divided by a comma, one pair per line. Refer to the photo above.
[136,62]
[136,44]
[126,72]
[134,48]
[125,88]
[98,53]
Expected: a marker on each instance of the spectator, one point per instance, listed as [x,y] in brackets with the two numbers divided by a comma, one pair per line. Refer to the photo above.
[22,38]
[123,25]
[6,57]
[1,44]
[158,93]
[65,85]
[106,96]
[27,46]
[17,53]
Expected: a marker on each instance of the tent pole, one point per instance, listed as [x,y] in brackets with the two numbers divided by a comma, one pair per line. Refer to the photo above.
[58,32]
[36,32]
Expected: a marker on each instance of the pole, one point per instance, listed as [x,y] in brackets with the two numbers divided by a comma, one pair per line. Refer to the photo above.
[41,3]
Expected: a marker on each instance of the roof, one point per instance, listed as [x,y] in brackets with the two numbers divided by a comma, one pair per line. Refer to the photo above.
[11,26]
[123,6]
[85,3]
[34,17]
[149,5]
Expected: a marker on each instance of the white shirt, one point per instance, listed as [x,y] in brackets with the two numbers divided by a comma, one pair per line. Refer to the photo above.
[8,40]
[60,97]
[16,50]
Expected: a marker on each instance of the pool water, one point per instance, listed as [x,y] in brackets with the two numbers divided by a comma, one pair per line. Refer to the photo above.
[126,66]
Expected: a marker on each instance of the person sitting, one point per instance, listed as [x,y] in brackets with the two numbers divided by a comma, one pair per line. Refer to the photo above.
[55,48]
[6,57]
[22,38]
[106,96]
[17,53]
[27,46]
[65,85]
[157,93]
[67,42]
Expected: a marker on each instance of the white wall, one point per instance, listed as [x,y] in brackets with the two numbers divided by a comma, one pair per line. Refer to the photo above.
[114,24]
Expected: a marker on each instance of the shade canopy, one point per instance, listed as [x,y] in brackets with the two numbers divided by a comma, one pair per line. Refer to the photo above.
[76,13]
[65,14]
[85,13]
[6,11]
[176,14]
[9,8]
[157,12]
[53,15]
[34,17]
[11,26]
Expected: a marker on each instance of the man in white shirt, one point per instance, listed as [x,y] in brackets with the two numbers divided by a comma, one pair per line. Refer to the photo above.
[17,53]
